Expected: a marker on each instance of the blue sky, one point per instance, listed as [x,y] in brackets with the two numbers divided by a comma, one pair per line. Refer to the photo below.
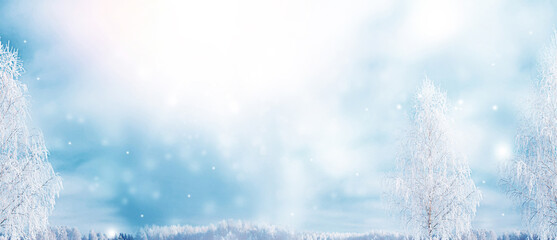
[285,112]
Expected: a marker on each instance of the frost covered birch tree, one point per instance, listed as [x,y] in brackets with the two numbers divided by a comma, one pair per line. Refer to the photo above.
[432,188]
[531,177]
[28,184]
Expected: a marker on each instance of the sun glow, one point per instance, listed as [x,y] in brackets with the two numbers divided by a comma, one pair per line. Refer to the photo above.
[503,152]
[111,232]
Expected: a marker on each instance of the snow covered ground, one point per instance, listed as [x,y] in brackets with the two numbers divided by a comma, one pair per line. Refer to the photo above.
[232,230]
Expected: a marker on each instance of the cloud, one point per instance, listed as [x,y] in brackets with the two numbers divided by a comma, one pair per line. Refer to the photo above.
[76,208]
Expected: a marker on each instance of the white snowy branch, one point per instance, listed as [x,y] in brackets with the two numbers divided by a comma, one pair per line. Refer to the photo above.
[432,189]
[28,184]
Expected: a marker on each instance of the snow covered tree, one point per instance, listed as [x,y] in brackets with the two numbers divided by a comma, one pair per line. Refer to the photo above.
[74,234]
[93,235]
[432,188]
[531,177]
[28,184]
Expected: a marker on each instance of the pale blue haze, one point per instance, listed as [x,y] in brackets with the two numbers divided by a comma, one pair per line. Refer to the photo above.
[297,105]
